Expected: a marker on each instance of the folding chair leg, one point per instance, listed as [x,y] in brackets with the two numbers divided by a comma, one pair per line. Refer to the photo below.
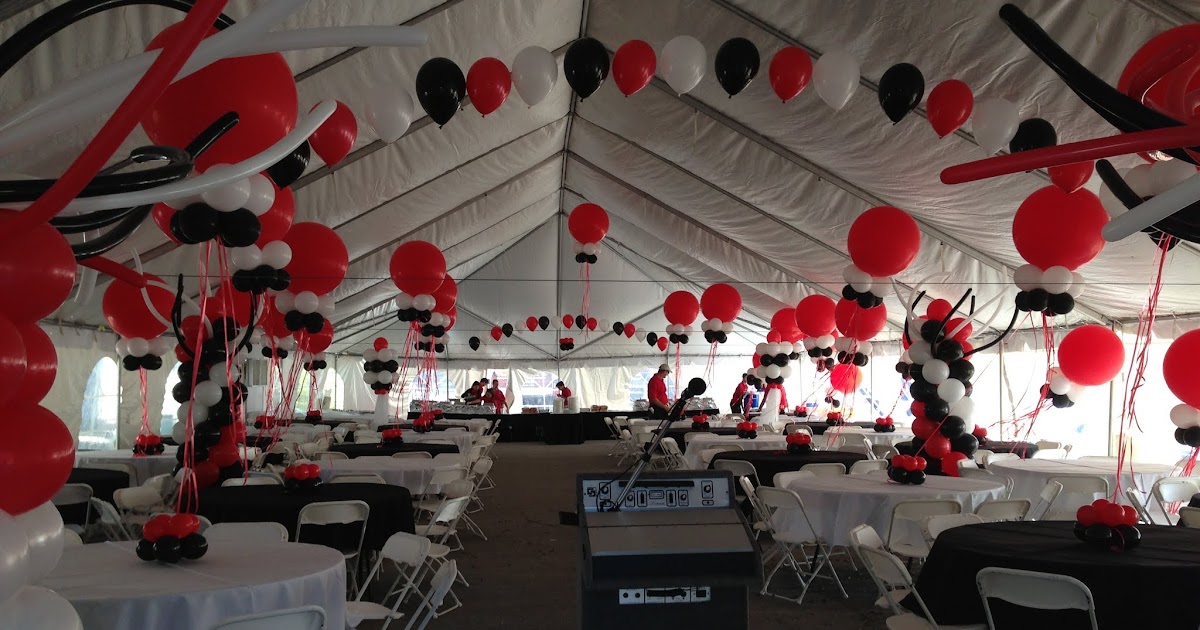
[473,527]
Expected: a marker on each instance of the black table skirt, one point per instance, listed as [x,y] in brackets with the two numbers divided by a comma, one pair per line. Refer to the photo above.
[1150,586]
[104,483]
[391,510]
[531,427]
[387,450]
[769,463]
[679,432]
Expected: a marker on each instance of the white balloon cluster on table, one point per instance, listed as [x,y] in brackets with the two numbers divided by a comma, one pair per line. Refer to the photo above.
[138,353]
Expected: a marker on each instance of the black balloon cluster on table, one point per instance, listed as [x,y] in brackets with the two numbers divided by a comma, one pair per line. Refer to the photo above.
[1107,525]
[313,366]
[145,362]
[200,222]
[907,469]
[260,279]
[884,425]
[1042,301]
[865,299]
[566,343]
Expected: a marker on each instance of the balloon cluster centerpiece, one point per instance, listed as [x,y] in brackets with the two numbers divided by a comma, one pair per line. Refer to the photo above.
[700,422]
[907,469]
[800,411]
[170,538]
[747,430]
[799,443]
[148,444]
[313,416]
[391,436]
[566,343]
[884,425]
[424,422]
[1108,525]
[380,367]
[301,477]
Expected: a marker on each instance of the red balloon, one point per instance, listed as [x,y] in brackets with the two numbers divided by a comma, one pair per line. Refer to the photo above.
[41,458]
[260,88]
[979,432]
[157,527]
[272,321]
[1131,515]
[126,312]
[790,71]
[662,343]
[1056,228]
[721,301]
[773,336]
[531,323]
[1071,177]
[497,333]
[633,66]
[845,377]
[592,323]
[319,258]
[207,472]
[12,360]
[334,139]
[861,323]
[453,315]
[1112,514]
[630,329]
[815,315]
[446,296]
[183,525]
[318,342]
[950,463]
[162,213]
[1087,515]
[937,445]
[418,267]
[278,220]
[963,334]
[380,343]
[883,241]
[588,223]
[784,322]
[41,363]
[938,309]
[226,302]
[223,454]
[1181,370]
[923,427]
[488,84]
[681,308]
[37,272]
[1162,88]
[568,321]
[949,106]
[1091,355]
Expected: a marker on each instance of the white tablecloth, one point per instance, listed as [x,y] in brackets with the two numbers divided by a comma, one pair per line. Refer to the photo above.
[1030,476]
[146,465]
[836,504]
[708,440]
[853,433]
[464,440]
[112,589]
[413,474]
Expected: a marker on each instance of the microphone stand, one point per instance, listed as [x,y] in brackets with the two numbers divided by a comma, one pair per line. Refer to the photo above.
[675,414]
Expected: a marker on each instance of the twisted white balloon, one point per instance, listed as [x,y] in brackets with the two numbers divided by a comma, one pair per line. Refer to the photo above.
[1156,209]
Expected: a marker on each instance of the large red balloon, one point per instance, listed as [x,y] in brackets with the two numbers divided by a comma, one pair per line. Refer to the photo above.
[278,220]
[272,321]
[126,312]
[418,267]
[1071,177]
[949,106]
[784,323]
[845,377]
[335,137]
[488,84]
[1181,369]
[1163,93]
[815,315]
[860,323]
[883,241]
[588,223]
[12,362]
[41,363]
[260,88]
[319,258]
[41,459]
[226,302]
[318,342]
[37,272]
[791,69]
[1091,355]
[681,308]
[446,296]
[633,66]
[1053,227]
[721,301]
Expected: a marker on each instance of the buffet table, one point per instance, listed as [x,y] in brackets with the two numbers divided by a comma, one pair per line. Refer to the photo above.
[555,428]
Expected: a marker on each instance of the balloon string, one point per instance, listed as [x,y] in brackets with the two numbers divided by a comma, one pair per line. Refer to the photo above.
[585,274]
[312,390]
[270,427]
[230,313]
[189,444]
[402,378]
[678,373]
[144,394]
[900,395]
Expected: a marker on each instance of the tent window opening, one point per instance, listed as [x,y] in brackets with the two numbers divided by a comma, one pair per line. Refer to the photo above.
[101,399]
[539,391]
[170,408]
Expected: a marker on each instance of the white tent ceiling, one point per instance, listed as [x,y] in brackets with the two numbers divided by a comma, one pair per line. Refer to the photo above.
[701,188]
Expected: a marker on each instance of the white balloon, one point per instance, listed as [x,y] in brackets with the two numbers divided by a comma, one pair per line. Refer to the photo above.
[786,347]
[604,324]
[262,195]
[1111,204]
[389,110]
[1060,384]
[687,329]
[1077,392]
[534,73]
[935,371]
[161,345]
[773,349]
[858,279]
[809,343]
[591,249]
[1027,277]
[277,254]
[914,327]
[285,301]
[385,377]
[825,341]
[370,377]
[994,123]
[137,346]
[14,556]
[217,373]
[639,334]
[207,393]
[835,77]
[963,407]
[904,356]
[1166,174]
[682,63]
[772,371]
[950,390]
[726,327]
[576,247]
[387,354]
[404,301]
[880,285]
[247,257]
[44,537]
[1140,180]
[227,197]
[760,349]
[920,352]
[865,347]
[842,344]
[39,608]
[370,354]
[785,371]
[1057,279]
[307,302]
[1185,416]
[326,306]
[122,347]
[320,356]
[424,302]
[286,343]
[179,430]
[1076,284]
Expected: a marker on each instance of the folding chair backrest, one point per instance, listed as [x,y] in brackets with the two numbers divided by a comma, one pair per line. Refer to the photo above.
[251,481]
[73,494]
[834,441]
[779,498]
[334,512]
[884,451]
[1003,509]
[825,470]
[1030,589]
[1046,498]
[137,499]
[868,466]
[306,618]
[451,459]
[128,469]
[405,548]
[439,587]
[482,466]
[1135,499]
[861,449]
[999,457]
[938,524]
[459,488]
[785,478]
[793,427]
[760,512]
[449,511]
[412,455]
[865,536]
[1043,444]
[329,455]
[919,511]
[358,478]
[1082,484]
[1049,453]
[446,475]
[1175,489]
[981,456]
[886,567]
[249,532]
[739,468]
[1190,517]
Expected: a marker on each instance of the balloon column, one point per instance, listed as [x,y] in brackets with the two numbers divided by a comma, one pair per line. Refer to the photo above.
[720,304]
[380,367]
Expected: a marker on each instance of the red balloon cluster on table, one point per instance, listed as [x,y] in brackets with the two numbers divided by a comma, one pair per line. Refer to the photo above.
[391,436]
[907,469]
[566,343]
[313,416]
[834,418]
[301,477]
[747,430]
[700,422]
[1108,525]
[799,443]
[148,444]
[884,425]
[169,538]
[424,422]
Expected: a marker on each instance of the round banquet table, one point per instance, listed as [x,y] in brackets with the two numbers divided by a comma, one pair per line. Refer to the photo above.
[1146,587]
[413,474]
[768,463]
[463,440]
[820,427]
[387,450]
[837,503]
[854,433]
[103,482]
[764,442]
[1024,450]
[1030,476]
[146,466]
[391,510]
[111,588]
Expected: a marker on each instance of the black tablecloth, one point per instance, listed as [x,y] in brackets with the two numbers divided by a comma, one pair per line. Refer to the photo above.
[104,483]
[768,463]
[408,426]
[387,450]
[391,510]
[1150,586]
[531,427]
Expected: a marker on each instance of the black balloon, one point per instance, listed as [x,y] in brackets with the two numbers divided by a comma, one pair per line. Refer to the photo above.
[962,370]
[473,342]
[900,90]
[1098,535]
[736,65]
[1033,133]
[145,548]
[1128,535]
[948,350]
[931,331]
[651,338]
[239,228]
[193,546]
[923,391]
[167,549]
[507,329]
[580,321]
[1191,436]
[314,322]
[289,169]
[952,426]
[543,322]
[1061,303]
[935,408]
[586,66]
[152,362]
[440,89]
[865,300]
[965,443]
[849,293]
[131,363]
[197,223]
[916,477]
[618,328]
[1038,299]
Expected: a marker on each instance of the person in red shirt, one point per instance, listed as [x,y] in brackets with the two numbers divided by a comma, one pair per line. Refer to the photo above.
[738,404]
[564,392]
[656,392]
[497,398]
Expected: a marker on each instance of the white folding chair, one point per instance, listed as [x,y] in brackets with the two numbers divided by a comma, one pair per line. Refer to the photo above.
[972,472]
[1092,486]
[707,454]
[358,478]
[867,466]
[884,451]
[1046,498]
[761,515]
[440,586]
[443,524]
[785,478]
[306,618]
[110,521]
[793,427]
[1031,589]
[738,467]
[1170,490]
[857,448]
[248,532]
[75,494]
[137,504]
[833,442]
[337,513]
[672,456]
[1049,453]
[1190,517]
[825,470]
[935,525]
[251,481]
[988,460]
[407,553]
[412,455]
[918,512]
[893,579]
[993,510]
[1135,499]
[480,475]
[431,500]
[981,456]
[326,456]
[451,459]
[788,542]
[630,448]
